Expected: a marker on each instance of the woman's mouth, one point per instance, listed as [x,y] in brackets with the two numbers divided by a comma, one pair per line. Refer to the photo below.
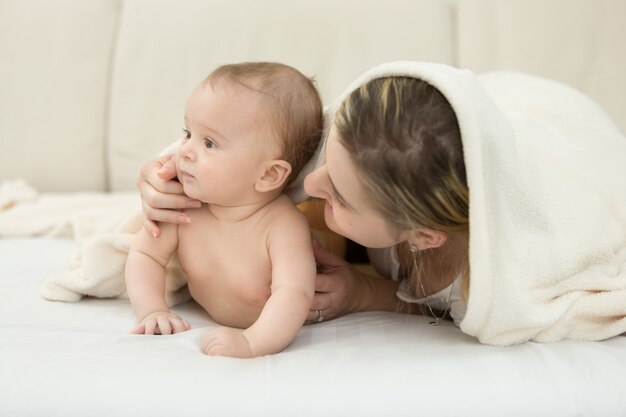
[328,206]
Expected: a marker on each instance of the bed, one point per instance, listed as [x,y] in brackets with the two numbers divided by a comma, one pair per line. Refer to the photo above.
[89,90]
[77,359]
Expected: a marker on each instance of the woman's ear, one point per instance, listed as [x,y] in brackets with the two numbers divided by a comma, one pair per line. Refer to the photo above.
[274,176]
[428,238]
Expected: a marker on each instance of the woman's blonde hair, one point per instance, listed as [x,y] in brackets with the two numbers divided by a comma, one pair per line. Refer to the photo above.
[404,139]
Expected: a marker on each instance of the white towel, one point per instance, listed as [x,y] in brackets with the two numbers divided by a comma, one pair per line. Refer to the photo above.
[26,212]
[96,269]
[546,170]
[102,223]
[15,191]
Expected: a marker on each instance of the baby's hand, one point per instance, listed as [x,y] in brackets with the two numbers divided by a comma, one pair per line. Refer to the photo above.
[226,341]
[161,322]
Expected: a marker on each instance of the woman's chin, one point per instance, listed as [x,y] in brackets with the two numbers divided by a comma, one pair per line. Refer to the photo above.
[330,222]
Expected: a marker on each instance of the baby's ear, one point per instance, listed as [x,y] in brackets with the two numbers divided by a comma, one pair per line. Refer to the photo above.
[274,175]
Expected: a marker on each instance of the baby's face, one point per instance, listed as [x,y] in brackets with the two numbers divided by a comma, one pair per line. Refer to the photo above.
[224,145]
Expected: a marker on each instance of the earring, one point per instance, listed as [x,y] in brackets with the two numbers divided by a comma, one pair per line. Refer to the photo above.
[413,248]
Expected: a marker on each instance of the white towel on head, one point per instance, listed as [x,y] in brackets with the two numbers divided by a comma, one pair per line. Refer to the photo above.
[546,171]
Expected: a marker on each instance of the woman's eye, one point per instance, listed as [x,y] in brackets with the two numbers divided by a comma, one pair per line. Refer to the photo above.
[186,134]
[208,143]
[339,200]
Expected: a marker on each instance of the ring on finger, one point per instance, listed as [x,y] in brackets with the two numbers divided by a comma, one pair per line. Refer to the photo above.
[319,317]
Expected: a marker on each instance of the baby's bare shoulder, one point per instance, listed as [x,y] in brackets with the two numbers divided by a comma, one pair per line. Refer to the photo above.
[284,214]
[288,225]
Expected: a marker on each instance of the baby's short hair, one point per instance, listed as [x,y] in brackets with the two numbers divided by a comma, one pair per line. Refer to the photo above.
[294,102]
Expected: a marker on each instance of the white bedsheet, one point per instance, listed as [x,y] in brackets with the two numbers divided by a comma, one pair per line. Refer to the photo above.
[77,359]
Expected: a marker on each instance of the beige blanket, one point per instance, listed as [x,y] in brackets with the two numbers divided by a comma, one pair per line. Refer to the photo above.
[102,223]
[547,178]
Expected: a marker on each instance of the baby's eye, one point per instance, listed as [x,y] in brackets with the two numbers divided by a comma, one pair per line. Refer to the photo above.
[208,143]
[186,134]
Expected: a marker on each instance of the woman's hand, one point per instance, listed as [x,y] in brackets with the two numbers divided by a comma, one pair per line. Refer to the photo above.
[337,286]
[162,194]
[340,289]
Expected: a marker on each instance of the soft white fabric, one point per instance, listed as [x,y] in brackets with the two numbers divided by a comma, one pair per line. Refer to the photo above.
[77,360]
[96,269]
[545,168]
[104,224]
[24,211]
[15,191]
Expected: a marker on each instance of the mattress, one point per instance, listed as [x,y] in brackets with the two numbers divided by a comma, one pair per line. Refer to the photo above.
[77,359]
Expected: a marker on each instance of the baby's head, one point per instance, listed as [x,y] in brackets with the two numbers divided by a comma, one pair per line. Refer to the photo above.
[243,120]
[290,111]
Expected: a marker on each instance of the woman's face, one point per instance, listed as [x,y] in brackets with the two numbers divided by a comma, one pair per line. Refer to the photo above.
[346,211]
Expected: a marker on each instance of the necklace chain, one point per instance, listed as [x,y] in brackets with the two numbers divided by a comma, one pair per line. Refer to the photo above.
[437,319]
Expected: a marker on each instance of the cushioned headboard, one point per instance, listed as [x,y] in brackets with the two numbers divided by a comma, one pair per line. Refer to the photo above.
[579,43]
[54,69]
[165,48]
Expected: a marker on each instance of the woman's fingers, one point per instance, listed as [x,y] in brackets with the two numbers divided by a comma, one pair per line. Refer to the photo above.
[324,257]
[167,170]
[151,227]
[160,200]
[164,215]
[156,179]
[155,191]
[321,301]
[161,195]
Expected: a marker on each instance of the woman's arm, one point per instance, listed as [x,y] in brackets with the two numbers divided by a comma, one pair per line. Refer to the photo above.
[341,289]
[162,194]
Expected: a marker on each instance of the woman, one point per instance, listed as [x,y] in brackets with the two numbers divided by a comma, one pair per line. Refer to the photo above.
[417,152]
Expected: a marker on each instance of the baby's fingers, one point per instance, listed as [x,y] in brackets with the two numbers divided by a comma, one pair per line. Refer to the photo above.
[179,325]
[151,327]
[139,329]
[164,326]
[214,348]
[208,342]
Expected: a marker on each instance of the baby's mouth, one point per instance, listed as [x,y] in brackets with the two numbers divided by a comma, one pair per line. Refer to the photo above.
[184,175]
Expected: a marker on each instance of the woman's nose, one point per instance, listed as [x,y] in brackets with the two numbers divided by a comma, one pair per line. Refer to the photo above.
[316,183]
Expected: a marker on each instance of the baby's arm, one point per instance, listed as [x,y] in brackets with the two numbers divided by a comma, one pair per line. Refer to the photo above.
[293,286]
[145,281]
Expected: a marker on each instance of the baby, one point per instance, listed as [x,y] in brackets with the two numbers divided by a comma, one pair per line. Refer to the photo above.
[247,255]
